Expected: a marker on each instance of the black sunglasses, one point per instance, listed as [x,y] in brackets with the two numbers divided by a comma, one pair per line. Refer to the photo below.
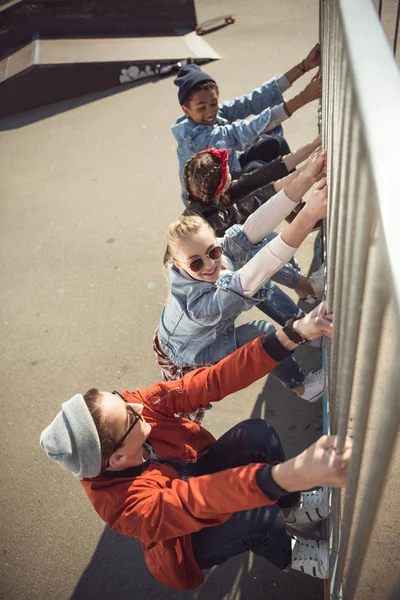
[198,263]
[136,417]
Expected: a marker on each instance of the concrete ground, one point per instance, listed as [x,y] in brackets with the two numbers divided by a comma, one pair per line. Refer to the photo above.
[88,188]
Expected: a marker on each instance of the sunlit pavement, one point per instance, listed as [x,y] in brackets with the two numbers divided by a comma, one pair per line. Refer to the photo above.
[88,188]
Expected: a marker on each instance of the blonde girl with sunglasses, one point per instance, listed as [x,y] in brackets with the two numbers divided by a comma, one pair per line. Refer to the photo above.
[213,280]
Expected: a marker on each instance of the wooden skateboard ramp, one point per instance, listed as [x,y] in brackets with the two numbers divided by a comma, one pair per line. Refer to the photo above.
[48,69]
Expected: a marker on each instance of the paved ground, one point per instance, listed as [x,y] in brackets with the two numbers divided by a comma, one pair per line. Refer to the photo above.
[87,190]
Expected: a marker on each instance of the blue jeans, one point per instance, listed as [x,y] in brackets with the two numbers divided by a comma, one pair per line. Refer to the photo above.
[288,371]
[265,149]
[290,273]
[261,530]
[277,305]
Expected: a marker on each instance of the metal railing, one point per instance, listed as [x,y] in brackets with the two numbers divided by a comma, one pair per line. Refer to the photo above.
[393,20]
[361,131]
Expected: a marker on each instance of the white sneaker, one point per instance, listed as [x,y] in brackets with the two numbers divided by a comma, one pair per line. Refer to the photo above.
[314,385]
[310,557]
[312,509]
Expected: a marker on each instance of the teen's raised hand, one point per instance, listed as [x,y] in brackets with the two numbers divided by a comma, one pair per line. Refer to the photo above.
[313,58]
[315,324]
[319,465]
[317,142]
[322,465]
[314,166]
[317,204]
[313,90]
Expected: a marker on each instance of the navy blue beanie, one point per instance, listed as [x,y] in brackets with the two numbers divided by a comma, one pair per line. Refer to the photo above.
[187,78]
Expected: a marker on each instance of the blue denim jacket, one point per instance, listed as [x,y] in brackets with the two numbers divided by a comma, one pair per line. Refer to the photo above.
[235,137]
[197,323]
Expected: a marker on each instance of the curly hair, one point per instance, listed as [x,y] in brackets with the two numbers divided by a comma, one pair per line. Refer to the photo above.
[202,176]
[203,85]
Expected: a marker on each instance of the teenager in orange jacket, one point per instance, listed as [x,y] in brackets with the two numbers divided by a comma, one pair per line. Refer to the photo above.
[192,501]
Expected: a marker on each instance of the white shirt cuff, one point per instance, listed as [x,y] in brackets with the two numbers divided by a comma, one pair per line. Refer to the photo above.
[268,216]
[278,115]
[281,249]
[283,83]
[264,264]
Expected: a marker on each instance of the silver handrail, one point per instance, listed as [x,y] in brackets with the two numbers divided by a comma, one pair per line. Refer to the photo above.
[361,131]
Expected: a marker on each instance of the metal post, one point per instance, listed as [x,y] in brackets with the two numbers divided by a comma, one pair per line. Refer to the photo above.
[376,295]
[396,29]
[360,224]
[350,141]
[388,425]
[362,186]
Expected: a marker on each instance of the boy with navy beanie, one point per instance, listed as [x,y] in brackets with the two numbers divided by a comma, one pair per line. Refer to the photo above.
[206,123]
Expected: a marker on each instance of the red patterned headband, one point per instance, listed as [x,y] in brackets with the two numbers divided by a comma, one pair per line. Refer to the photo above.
[223,157]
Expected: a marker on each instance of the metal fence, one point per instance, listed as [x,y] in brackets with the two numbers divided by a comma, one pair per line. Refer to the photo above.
[391,23]
[361,131]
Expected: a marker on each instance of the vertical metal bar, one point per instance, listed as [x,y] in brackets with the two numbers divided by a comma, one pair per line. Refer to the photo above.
[339,160]
[325,78]
[336,519]
[328,45]
[362,223]
[376,296]
[380,8]
[388,425]
[332,81]
[353,189]
[346,270]
[333,196]
[324,54]
[349,153]
[396,29]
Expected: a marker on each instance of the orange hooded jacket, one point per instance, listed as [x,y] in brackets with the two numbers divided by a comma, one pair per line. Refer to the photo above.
[156,506]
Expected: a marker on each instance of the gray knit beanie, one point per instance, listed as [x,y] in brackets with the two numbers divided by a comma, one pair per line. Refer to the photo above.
[72,439]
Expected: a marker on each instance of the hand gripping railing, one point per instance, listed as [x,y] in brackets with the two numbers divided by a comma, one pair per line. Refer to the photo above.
[361,131]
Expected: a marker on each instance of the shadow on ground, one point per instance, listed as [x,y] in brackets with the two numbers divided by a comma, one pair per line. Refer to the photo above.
[32,115]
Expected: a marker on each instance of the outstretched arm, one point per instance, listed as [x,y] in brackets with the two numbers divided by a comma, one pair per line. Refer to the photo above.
[312,60]
[186,506]
[266,96]
[281,249]
[319,465]
[312,91]
[269,94]
[236,136]
[298,156]
[295,158]
[233,373]
[270,215]
[275,171]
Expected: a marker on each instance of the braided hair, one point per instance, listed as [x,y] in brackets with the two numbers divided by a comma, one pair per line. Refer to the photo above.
[201,178]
